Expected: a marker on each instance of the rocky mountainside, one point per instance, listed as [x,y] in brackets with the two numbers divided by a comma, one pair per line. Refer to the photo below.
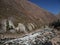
[24,11]
[58,16]
[20,20]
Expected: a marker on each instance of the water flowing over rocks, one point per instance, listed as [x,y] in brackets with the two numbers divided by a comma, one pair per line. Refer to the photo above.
[36,38]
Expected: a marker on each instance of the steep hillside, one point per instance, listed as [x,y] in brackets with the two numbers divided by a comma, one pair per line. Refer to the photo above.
[25,12]
[58,16]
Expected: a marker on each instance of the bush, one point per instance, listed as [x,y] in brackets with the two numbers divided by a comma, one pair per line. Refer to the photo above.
[7,25]
[55,24]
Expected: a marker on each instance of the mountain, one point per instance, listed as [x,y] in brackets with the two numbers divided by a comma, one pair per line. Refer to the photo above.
[58,15]
[24,11]
[26,17]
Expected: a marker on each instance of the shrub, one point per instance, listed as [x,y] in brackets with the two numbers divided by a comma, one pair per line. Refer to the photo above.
[55,24]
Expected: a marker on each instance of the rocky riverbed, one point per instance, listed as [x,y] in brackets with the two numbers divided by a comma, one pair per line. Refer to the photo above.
[41,37]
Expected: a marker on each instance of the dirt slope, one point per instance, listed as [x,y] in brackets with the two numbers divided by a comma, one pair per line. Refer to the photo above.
[24,11]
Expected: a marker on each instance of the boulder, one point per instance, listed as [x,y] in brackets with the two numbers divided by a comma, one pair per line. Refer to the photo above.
[30,26]
[21,28]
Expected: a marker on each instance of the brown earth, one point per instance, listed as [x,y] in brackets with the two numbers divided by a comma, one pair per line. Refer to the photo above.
[24,11]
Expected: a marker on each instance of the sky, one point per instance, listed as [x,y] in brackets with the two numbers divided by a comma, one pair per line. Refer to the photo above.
[52,6]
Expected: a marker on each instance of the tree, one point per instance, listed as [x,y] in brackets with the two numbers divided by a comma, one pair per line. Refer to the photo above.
[7,25]
[11,27]
[55,24]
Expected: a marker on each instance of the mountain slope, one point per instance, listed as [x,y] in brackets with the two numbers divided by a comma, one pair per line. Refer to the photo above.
[25,12]
[58,16]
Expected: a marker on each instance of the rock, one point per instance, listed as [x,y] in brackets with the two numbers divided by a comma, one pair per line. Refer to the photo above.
[48,43]
[3,23]
[30,26]
[11,24]
[12,31]
[35,39]
[21,28]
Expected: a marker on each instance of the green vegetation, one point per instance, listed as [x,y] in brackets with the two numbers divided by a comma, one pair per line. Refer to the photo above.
[55,24]
[7,25]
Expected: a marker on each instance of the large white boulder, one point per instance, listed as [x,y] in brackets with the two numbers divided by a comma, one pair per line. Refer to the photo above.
[21,28]
[3,24]
[11,24]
